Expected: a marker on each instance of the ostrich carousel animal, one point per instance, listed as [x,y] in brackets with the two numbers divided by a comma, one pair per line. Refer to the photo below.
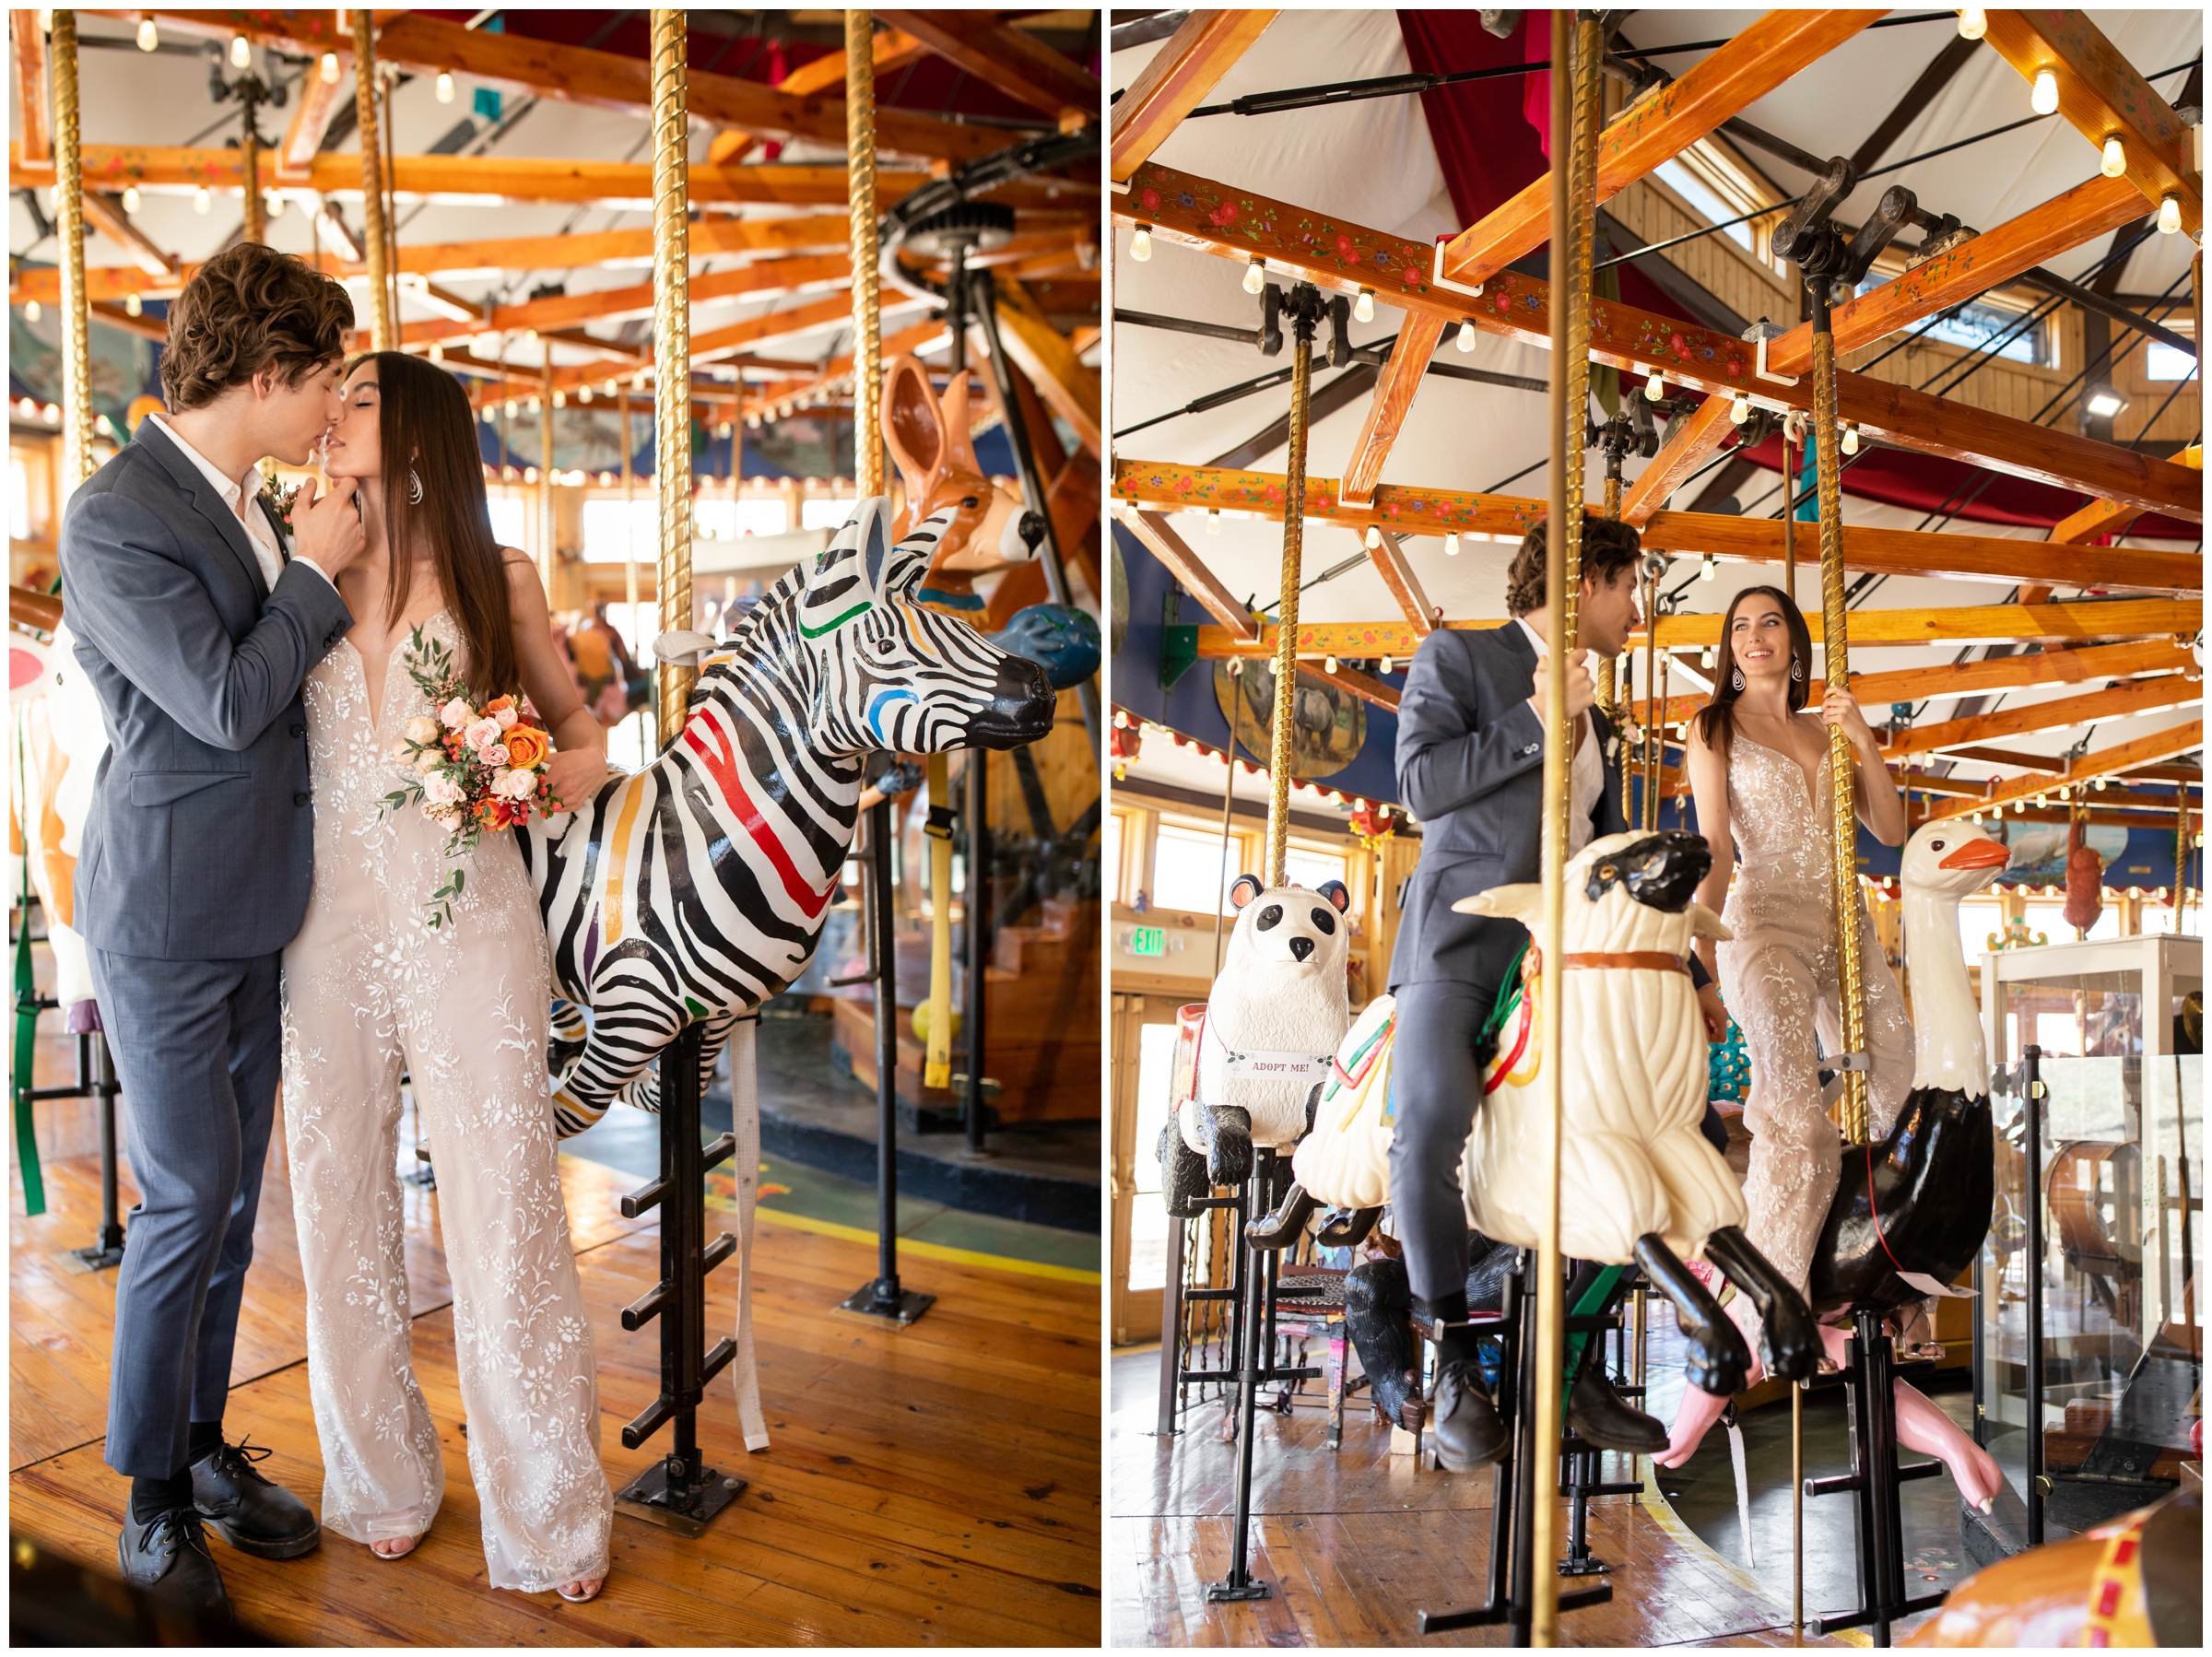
[1639,1182]
[1280,1005]
[1916,1205]
[695,889]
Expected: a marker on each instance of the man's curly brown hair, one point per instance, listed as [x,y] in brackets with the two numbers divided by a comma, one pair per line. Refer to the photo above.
[1608,545]
[249,308]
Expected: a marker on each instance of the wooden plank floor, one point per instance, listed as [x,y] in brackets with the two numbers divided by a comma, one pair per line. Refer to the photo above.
[932,1486]
[1354,1542]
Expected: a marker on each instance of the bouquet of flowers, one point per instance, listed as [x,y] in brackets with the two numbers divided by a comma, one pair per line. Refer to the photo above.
[470,768]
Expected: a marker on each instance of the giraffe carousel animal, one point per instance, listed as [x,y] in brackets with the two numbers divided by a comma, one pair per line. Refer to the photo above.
[697,887]
[1638,1181]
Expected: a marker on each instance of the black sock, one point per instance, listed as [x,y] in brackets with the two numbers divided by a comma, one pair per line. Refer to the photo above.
[205,1438]
[153,1496]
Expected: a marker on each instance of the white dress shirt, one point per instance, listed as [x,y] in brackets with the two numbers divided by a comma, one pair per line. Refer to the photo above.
[1587,772]
[268,552]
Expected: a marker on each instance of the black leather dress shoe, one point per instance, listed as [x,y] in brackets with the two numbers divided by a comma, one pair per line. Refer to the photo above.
[1602,1416]
[1469,1433]
[169,1555]
[252,1514]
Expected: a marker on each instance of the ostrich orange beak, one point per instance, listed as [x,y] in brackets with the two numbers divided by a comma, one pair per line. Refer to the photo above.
[1982,853]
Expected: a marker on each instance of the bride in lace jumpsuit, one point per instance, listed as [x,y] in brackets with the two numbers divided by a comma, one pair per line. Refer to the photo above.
[370,990]
[1762,796]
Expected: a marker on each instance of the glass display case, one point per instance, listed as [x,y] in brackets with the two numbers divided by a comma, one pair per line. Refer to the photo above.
[2120,1161]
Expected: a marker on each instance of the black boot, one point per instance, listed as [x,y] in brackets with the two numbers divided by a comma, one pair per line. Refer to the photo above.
[1181,1173]
[1789,1340]
[1226,1133]
[252,1514]
[168,1554]
[1716,1357]
[1602,1416]
[1468,1432]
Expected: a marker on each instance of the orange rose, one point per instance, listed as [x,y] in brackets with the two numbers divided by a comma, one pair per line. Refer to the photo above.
[492,709]
[526,747]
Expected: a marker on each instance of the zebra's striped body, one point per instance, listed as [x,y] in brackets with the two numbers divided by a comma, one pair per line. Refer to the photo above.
[697,887]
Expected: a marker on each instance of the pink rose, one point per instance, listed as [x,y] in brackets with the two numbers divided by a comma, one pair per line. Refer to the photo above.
[441,790]
[457,713]
[495,755]
[506,716]
[481,735]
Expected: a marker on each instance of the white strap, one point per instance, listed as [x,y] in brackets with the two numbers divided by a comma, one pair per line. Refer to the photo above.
[1260,1064]
[744,1120]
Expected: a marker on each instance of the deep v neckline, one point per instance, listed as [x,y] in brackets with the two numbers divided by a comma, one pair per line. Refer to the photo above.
[376,694]
[1810,779]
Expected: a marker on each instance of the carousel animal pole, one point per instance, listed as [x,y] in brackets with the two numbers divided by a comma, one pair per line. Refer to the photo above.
[383,335]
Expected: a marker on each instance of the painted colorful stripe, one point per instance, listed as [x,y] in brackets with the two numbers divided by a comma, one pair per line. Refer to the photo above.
[720,765]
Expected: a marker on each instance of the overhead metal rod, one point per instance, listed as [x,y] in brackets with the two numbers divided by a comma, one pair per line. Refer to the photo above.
[2090,300]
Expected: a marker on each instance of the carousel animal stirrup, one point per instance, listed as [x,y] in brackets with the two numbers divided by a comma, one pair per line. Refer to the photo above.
[1281,1229]
[1225,1131]
[1718,1362]
[1789,1339]
[1341,1230]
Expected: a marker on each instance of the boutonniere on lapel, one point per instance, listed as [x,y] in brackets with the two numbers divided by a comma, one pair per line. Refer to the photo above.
[280,497]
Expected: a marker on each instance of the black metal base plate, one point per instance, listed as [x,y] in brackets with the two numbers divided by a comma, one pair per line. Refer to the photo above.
[646,1497]
[910,1305]
[90,1259]
[1588,1567]
[1228,1593]
[1483,1616]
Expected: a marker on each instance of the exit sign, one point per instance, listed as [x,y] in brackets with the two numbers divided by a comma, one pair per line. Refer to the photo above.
[1147,940]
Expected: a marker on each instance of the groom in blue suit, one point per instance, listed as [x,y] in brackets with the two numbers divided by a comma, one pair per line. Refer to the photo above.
[197,613]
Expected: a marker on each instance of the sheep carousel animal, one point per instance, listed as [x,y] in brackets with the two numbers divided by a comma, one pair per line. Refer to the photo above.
[695,889]
[1639,1182]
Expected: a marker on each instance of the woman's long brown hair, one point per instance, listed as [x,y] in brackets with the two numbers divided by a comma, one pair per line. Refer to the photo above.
[1716,720]
[424,426]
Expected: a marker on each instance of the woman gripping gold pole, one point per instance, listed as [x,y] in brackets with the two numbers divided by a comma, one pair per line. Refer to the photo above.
[672,353]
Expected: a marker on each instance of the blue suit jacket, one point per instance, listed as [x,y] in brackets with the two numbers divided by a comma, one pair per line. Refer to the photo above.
[200,845]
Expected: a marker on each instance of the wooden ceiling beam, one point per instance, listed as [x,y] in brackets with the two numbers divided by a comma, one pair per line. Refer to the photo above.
[2057,763]
[1069,389]
[1181,73]
[717,343]
[2101,762]
[1392,400]
[1404,586]
[892,49]
[146,327]
[620,304]
[473,180]
[2100,94]
[1658,128]
[320,100]
[1973,267]
[105,214]
[1017,64]
[2023,672]
[1161,540]
[1343,257]
[1407,510]
[2115,517]
[1689,440]
[34,92]
[2140,696]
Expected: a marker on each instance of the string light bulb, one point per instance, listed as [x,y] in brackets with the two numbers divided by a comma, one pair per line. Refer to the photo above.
[273,199]
[1213,521]
[445,86]
[1973,23]
[614,390]
[1851,440]
[1452,547]
[560,400]
[1705,657]
[201,200]
[130,198]
[1707,570]
[133,305]
[2170,214]
[149,38]
[1467,336]
[1255,275]
[330,69]
[2043,100]
[1740,410]
[436,351]
[1363,308]
[1328,665]
[2115,157]
[241,54]
[1654,387]
[32,312]
[1140,244]
[1390,665]
[1374,537]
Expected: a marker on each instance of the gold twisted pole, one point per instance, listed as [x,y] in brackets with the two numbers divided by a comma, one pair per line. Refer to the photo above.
[69,227]
[257,227]
[1286,639]
[545,473]
[868,317]
[1835,648]
[672,352]
[1581,232]
[1563,542]
[383,335]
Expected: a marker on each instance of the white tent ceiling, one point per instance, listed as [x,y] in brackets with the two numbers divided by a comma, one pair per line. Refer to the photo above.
[1373,163]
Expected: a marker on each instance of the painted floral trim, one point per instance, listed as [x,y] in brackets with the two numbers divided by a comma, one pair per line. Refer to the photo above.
[1254,221]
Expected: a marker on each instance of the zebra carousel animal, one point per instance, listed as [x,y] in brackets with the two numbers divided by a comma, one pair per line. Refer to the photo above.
[697,887]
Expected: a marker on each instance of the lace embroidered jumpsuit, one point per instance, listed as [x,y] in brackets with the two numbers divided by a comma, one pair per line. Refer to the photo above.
[1779,977]
[369,989]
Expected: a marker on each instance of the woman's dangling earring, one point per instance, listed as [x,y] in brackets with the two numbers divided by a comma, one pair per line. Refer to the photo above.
[413,488]
[1796,669]
[1736,680]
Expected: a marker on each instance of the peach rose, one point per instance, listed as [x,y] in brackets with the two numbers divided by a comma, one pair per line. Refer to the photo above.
[495,755]
[457,713]
[526,747]
[482,734]
[422,728]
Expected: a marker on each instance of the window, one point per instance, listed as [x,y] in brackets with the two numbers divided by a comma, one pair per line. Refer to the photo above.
[2163,363]
[1694,190]
[1187,869]
[509,517]
[607,539]
[1304,865]
[19,499]
[727,520]
[1110,859]
[824,514]
[1148,1217]
[1977,327]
